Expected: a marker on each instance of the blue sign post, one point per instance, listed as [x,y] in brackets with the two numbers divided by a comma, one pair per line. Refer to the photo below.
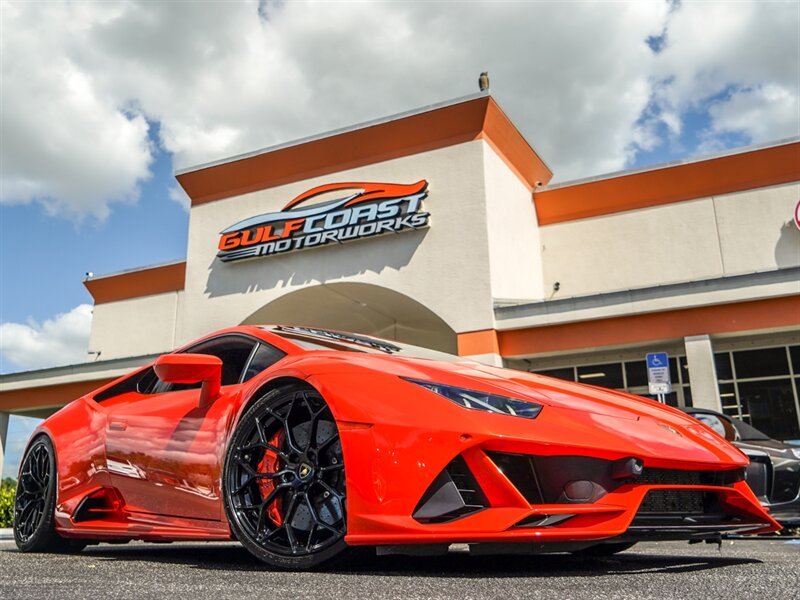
[658,377]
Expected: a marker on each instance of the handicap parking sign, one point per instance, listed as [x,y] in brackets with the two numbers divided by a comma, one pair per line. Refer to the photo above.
[658,377]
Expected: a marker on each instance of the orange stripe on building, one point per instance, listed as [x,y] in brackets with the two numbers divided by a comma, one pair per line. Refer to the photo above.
[478,342]
[584,335]
[742,171]
[46,396]
[142,282]
[431,130]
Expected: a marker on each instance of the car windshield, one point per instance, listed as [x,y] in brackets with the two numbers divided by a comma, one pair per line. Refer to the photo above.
[311,338]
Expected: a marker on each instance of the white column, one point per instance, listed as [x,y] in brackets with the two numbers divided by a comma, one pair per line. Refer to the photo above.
[3,439]
[702,372]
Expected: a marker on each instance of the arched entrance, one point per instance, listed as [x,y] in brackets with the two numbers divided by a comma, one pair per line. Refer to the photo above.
[360,308]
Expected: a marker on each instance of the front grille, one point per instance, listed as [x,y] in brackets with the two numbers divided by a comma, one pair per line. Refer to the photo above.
[652,476]
[677,501]
[785,484]
[581,479]
[757,475]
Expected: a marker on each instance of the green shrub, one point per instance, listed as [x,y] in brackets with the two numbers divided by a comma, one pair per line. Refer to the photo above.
[7,491]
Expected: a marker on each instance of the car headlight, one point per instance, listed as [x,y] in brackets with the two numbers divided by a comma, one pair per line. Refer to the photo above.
[486,402]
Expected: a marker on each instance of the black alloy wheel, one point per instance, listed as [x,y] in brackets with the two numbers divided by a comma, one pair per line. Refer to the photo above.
[34,503]
[284,480]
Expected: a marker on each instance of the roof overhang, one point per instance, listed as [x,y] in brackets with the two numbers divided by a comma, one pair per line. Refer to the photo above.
[463,120]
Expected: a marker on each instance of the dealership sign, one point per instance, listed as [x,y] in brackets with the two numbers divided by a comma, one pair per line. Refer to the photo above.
[358,210]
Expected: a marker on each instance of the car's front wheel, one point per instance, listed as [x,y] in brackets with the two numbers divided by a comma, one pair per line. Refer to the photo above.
[284,480]
[35,500]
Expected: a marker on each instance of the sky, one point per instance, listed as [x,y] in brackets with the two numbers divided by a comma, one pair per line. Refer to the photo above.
[101,102]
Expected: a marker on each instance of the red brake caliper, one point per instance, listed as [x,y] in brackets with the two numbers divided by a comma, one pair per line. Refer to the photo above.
[271,464]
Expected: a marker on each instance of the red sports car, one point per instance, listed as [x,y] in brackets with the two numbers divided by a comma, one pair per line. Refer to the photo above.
[301,442]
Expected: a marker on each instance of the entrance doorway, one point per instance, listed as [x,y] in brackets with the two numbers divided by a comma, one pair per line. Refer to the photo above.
[360,308]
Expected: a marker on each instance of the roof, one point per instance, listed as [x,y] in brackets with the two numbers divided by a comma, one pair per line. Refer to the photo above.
[146,281]
[735,171]
[438,126]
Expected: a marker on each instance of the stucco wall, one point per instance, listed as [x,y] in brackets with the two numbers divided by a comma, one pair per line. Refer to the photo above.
[445,267]
[515,258]
[684,241]
[135,327]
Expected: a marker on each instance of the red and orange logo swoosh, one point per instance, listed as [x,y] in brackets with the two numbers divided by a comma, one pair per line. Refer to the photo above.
[369,191]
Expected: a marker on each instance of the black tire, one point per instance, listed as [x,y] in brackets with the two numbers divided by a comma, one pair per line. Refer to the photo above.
[606,549]
[35,501]
[284,481]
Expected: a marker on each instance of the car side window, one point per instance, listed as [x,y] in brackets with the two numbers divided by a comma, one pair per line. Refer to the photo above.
[265,356]
[141,382]
[233,351]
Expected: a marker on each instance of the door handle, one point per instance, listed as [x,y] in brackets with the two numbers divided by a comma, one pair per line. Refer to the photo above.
[118,425]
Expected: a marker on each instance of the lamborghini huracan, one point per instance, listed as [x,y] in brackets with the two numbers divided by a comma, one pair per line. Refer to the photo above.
[303,443]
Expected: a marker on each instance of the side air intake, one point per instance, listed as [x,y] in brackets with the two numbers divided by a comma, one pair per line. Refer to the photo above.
[453,494]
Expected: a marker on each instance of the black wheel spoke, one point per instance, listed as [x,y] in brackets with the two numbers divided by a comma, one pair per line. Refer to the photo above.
[339,467]
[291,509]
[277,451]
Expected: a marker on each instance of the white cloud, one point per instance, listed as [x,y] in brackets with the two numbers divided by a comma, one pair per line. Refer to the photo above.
[62,340]
[740,61]
[764,113]
[81,81]
[178,195]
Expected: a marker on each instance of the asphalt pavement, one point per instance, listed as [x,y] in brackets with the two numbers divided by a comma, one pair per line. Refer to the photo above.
[752,569]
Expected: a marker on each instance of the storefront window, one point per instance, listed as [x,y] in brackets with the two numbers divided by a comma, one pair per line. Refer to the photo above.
[608,375]
[771,407]
[768,362]
[760,386]
[629,376]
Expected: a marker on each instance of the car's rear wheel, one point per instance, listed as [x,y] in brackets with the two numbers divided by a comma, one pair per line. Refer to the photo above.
[284,480]
[35,500]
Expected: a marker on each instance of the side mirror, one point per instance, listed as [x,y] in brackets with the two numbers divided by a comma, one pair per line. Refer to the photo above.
[192,368]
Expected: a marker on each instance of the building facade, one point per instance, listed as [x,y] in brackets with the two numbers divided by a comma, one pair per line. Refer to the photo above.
[438,227]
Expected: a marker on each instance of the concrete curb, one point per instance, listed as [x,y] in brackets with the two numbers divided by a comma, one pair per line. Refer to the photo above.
[6,534]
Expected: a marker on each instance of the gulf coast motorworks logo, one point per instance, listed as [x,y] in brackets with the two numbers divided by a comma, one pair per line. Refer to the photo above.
[358,210]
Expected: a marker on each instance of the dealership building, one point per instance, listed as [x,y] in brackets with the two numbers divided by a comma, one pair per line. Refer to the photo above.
[438,227]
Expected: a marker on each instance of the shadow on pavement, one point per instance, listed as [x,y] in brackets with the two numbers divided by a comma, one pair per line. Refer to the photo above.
[232,557]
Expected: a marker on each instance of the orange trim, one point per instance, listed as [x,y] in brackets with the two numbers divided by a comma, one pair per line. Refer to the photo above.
[722,318]
[500,133]
[143,282]
[49,395]
[438,128]
[743,171]
[478,342]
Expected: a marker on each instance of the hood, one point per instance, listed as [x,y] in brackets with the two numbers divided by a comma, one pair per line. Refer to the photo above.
[653,427]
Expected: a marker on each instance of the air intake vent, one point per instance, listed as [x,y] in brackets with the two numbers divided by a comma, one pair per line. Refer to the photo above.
[453,494]
[519,470]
